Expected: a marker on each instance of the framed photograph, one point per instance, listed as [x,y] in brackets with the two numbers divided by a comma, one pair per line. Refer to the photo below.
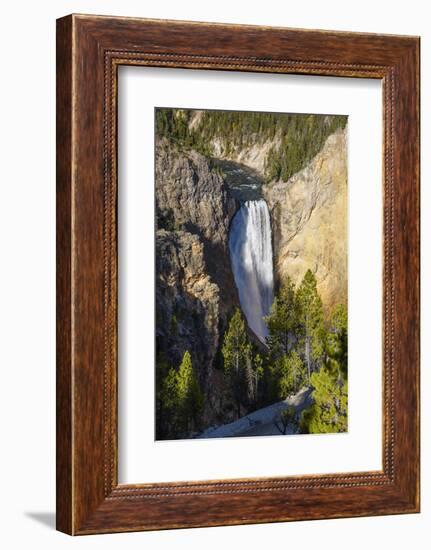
[237,274]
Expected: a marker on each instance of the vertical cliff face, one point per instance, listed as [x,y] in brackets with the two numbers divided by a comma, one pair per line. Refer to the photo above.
[192,196]
[195,291]
[309,221]
[187,301]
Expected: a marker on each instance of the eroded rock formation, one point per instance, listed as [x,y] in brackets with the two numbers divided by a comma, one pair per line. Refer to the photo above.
[195,290]
[309,221]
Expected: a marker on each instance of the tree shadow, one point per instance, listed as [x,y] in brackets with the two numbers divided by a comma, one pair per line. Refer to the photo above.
[45,518]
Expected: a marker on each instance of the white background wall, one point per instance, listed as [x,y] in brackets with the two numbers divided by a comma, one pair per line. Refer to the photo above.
[27,280]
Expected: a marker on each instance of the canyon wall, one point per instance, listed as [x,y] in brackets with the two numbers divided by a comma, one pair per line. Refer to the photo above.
[309,221]
[195,290]
[308,214]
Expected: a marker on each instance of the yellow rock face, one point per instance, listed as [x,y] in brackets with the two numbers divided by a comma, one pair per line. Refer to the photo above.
[309,220]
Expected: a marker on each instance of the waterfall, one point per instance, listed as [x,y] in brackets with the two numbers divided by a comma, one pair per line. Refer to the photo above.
[251,258]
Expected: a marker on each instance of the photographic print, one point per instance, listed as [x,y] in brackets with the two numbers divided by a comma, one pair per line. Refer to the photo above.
[251,273]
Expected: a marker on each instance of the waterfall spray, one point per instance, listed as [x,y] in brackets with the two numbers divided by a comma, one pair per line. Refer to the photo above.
[251,258]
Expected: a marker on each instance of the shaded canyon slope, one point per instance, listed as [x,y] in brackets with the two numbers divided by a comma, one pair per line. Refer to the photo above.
[195,290]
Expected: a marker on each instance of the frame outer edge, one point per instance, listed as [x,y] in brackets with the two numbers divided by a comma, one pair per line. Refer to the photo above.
[64,300]
[407,280]
[81,508]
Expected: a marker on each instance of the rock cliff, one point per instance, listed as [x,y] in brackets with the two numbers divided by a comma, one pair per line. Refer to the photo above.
[195,290]
[309,221]
[188,302]
[253,156]
[308,214]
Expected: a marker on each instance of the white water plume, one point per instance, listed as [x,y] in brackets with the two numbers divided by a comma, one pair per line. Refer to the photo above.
[250,249]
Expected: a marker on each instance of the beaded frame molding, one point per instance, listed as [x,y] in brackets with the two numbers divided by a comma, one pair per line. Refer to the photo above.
[89,51]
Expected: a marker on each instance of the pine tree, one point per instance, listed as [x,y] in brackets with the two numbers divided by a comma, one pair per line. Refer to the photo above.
[282,322]
[285,377]
[248,398]
[258,372]
[166,397]
[236,352]
[167,405]
[328,414]
[337,343]
[190,399]
[311,319]
[291,374]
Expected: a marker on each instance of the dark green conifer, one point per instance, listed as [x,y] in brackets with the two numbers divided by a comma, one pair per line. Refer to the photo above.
[311,321]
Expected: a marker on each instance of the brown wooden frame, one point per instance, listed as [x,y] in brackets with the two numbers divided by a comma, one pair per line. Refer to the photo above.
[89,51]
